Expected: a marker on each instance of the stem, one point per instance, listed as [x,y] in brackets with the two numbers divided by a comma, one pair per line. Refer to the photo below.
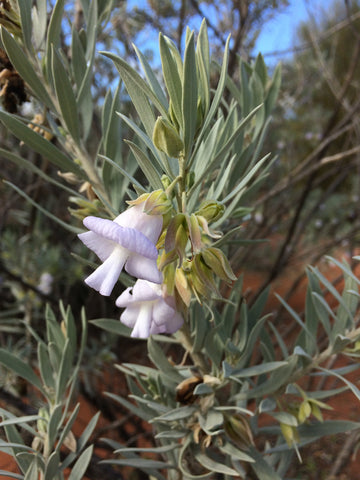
[197,357]
[321,358]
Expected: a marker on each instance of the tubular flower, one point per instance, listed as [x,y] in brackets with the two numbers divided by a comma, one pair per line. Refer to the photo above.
[127,241]
[148,311]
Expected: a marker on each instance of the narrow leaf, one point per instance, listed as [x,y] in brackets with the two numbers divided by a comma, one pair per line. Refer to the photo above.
[139,92]
[139,462]
[26,23]
[146,166]
[39,144]
[214,466]
[53,32]
[153,81]
[20,368]
[79,469]
[65,96]
[23,66]
[189,95]
[172,78]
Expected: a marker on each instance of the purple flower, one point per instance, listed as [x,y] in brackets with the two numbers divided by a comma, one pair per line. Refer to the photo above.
[148,311]
[126,242]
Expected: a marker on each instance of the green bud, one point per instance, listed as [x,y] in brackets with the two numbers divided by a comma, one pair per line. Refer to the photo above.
[42,423]
[157,203]
[219,264]
[176,236]
[182,286]
[194,232]
[237,428]
[315,410]
[169,277]
[167,139]
[304,411]
[85,208]
[165,180]
[211,210]
[290,434]
[202,277]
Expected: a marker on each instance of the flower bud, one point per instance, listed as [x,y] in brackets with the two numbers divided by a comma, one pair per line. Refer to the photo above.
[42,423]
[194,232]
[85,208]
[165,180]
[182,286]
[177,236]
[154,203]
[167,139]
[211,210]
[238,430]
[290,434]
[202,278]
[304,411]
[157,203]
[219,264]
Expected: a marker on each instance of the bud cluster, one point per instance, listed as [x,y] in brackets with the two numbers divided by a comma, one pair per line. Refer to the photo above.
[300,411]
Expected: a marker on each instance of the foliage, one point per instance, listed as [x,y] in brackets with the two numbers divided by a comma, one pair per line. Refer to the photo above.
[227,395]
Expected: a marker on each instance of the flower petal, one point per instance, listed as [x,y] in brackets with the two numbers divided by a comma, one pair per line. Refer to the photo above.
[130,316]
[98,244]
[125,299]
[147,290]
[166,319]
[143,322]
[148,225]
[127,237]
[142,291]
[104,277]
[143,268]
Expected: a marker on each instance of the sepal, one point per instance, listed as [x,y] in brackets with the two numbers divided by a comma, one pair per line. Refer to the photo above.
[154,203]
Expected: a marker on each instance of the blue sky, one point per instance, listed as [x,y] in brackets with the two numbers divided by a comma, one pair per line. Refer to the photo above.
[277,35]
[280,33]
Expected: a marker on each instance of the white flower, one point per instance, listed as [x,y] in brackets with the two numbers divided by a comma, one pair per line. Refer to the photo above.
[128,241]
[148,311]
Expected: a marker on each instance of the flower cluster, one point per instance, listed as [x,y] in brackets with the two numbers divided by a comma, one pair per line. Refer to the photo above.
[128,242]
[168,252]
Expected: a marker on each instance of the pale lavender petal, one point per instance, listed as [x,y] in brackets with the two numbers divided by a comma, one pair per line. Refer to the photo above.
[125,299]
[98,244]
[104,277]
[143,268]
[130,316]
[157,329]
[147,311]
[143,322]
[127,237]
[174,323]
[149,225]
[166,319]
[144,290]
